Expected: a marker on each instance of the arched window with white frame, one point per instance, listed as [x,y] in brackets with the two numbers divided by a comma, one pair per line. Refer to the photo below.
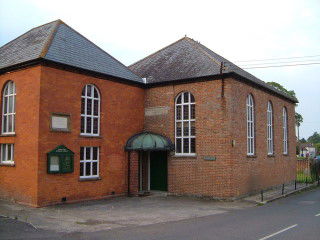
[250,126]
[285,130]
[185,130]
[270,128]
[90,111]
[8,108]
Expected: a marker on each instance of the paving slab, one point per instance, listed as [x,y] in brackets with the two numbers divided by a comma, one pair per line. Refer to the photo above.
[119,212]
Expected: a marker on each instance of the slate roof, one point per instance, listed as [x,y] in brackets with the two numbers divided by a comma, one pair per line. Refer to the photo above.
[57,42]
[188,59]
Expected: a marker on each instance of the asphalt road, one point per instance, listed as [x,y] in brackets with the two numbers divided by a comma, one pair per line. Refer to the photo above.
[296,217]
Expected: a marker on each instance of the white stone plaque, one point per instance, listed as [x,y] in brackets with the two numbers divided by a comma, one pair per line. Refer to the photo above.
[156,111]
[59,123]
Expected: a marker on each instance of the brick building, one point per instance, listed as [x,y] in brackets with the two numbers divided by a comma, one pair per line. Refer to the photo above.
[77,124]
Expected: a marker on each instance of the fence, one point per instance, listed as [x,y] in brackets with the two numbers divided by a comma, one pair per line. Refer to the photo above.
[308,172]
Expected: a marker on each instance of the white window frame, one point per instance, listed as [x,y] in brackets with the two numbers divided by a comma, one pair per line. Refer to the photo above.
[183,121]
[250,126]
[285,130]
[7,158]
[9,92]
[90,116]
[270,146]
[84,161]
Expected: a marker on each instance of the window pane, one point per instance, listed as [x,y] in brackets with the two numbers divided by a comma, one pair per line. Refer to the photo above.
[192,98]
[89,107]
[96,108]
[88,168]
[81,153]
[193,111]
[186,145]
[95,125]
[82,125]
[88,156]
[10,127]
[81,169]
[82,105]
[89,89]
[178,129]
[96,93]
[186,97]
[185,129]
[89,124]
[179,100]
[5,105]
[178,145]
[9,152]
[3,152]
[94,168]
[193,128]
[186,112]
[83,91]
[178,110]
[5,128]
[193,145]
[10,104]
[95,153]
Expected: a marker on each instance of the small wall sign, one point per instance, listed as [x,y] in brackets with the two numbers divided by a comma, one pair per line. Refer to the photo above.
[60,122]
[60,160]
[209,158]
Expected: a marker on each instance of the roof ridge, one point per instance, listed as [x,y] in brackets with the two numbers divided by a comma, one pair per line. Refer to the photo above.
[101,50]
[50,39]
[29,31]
[197,45]
[148,56]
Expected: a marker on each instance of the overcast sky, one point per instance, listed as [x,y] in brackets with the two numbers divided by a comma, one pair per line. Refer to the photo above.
[237,30]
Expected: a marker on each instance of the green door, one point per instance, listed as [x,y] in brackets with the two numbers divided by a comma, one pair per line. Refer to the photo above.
[158,171]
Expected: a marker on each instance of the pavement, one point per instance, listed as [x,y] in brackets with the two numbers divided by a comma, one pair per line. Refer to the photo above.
[279,192]
[92,216]
[292,218]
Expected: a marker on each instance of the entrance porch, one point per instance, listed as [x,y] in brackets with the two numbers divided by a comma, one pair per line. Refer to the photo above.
[152,172]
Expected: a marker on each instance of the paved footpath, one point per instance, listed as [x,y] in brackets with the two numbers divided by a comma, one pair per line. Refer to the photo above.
[293,218]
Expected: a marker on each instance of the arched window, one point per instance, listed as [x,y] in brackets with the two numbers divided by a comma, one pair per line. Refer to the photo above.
[90,111]
[185,130]
[8,108]
[270,128]
[285,130]
[250,126]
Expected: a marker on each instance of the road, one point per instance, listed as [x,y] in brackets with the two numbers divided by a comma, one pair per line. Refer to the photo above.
[296,217]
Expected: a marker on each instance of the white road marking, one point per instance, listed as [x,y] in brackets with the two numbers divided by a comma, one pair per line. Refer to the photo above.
[317,215]
[281,231]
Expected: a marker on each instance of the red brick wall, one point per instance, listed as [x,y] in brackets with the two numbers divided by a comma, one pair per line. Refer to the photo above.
[194,175]
[252,174]
[121,116]
[19,182]
[218,122]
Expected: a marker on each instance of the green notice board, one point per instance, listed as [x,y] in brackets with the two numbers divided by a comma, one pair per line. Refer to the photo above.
[60,160]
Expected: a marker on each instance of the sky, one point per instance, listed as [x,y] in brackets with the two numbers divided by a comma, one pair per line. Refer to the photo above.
[237,30]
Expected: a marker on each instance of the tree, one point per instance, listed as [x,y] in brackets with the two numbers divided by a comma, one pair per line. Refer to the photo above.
[314,138]
[317,146]
[291,93]
[303,140]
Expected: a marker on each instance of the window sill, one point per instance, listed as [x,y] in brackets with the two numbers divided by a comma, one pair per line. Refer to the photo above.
[90,136]
[7,135]
[9,164]
[285,154]
[89,179]
[60,130]
[271,155]
[251,156]
[184,155]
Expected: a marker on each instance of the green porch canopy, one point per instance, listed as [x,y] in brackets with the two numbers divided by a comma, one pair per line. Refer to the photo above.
[148,141]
